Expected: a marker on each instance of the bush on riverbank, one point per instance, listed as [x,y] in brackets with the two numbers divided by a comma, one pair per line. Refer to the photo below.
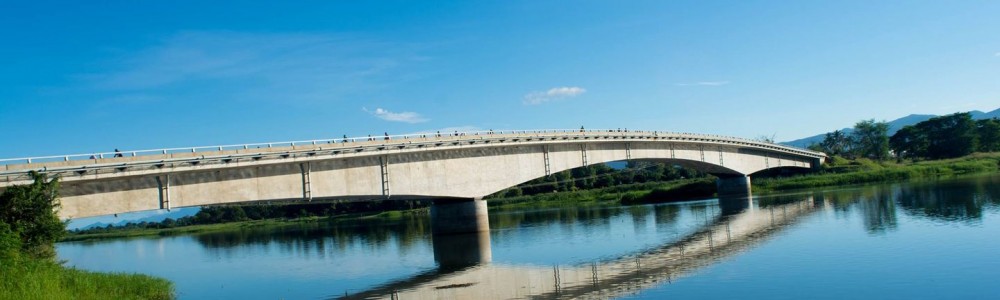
[29,228]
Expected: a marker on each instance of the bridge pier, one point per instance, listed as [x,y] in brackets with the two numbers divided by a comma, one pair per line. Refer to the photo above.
[734,186]
[457,216]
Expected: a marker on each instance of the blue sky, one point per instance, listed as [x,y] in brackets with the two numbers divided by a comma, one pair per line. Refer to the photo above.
[83,77]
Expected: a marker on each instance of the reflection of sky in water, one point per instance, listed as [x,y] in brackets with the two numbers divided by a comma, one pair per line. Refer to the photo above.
[928,240]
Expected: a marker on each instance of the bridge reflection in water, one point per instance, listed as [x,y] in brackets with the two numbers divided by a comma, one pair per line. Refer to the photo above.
[465,272]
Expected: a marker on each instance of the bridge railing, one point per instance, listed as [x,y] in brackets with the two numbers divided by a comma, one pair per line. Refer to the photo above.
[376,138]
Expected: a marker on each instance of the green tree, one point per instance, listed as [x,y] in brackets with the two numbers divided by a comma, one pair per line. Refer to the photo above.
[871,139]
[949,136]
[30,211]
[908,142]
[836,143]
[988,131]
[234,213]
[512,192]
[584,177]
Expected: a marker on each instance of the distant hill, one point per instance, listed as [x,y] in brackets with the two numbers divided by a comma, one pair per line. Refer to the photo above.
[894,125]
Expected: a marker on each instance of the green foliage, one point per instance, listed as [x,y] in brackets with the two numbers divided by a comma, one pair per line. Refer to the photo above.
[948,136]
[836,143]
[870,172]
[30,212]
[909,142]
[871,139]
[619,194]
[512,192]
[696,189]
[10,244]
[989,135]
[601,176]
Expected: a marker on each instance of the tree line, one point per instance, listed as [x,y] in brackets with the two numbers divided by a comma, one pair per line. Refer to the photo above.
[941,137]
[600,176]
[249,212]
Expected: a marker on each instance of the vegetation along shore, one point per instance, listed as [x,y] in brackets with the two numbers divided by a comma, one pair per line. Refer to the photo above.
[29,229]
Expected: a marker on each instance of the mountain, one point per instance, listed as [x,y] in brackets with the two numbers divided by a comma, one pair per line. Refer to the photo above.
[894,125]
[978,115]
[95,225]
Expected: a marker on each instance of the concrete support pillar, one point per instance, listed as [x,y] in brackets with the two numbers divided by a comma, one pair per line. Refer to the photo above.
[455,216]
[459,251]
[735,186]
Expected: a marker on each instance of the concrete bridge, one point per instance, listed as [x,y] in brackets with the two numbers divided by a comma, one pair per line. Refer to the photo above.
[739,226]
[454,169]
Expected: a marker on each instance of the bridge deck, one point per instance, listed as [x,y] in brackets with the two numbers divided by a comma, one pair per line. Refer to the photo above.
[15,171]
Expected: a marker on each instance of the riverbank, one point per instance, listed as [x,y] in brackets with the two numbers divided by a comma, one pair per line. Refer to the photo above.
[29,229]
[841,172]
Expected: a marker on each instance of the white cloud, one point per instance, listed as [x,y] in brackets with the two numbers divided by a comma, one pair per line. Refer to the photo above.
[405,117]
[996,54]
[703,83]
[535,98]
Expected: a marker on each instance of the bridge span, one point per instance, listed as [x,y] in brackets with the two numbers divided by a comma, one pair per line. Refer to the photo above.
[452,168]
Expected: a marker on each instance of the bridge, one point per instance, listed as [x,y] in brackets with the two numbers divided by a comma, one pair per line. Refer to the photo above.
[454,169]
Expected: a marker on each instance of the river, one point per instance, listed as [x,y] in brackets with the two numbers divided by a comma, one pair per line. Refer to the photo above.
[929,239]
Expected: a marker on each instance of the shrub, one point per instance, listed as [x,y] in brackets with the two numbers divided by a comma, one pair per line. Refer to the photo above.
[30,212]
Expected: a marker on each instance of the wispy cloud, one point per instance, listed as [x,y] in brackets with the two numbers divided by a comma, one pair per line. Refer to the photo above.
[996,54]
[539,97]
[702,83]
[238,66]
[405,117]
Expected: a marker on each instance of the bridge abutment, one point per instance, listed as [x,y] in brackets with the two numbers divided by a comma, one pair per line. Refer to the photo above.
[459,216]
[735,186]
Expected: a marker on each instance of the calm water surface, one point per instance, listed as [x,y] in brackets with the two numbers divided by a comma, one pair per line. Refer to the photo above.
[927,240]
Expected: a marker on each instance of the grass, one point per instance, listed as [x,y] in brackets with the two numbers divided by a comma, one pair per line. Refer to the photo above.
[27,279]
[842,172]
